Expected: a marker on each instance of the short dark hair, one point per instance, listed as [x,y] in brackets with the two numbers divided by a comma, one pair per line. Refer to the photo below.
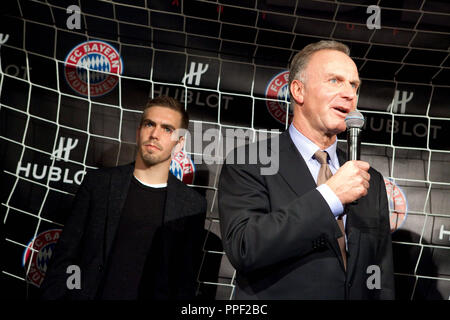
[171,103]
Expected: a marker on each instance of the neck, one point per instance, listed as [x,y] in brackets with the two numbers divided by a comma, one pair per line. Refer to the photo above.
[321,139]
[154,174]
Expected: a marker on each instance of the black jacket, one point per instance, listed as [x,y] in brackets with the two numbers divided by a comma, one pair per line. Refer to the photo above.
[281,236]
[91,226]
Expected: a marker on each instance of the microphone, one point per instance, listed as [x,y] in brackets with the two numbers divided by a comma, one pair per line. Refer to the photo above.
[354,122]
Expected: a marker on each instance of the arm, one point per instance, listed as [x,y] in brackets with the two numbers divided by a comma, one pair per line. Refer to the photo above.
[253,235]
[67,249]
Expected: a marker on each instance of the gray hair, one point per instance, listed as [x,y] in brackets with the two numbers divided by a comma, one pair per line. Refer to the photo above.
[301,59]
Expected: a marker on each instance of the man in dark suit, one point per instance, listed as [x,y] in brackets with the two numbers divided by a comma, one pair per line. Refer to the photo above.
[284,233]
[135,231]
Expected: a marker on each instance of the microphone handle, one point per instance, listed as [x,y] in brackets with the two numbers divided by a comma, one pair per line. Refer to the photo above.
[353,147]
[353,144]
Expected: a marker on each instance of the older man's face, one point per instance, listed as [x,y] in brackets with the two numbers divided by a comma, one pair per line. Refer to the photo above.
[329,93]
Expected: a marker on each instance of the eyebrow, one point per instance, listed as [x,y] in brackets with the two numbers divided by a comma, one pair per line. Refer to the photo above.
[168,126]
[357,81]
[164,125]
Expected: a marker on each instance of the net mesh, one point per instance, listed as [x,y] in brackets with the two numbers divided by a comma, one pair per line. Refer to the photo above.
[221,59]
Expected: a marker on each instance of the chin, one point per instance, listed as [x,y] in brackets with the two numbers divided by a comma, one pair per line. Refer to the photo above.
[340,127]
[148,159]
[336,130]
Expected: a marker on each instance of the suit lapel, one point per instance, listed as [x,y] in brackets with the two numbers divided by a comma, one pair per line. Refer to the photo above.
[353,234]
[173,199]
[353,239]
[293,168]
[118,191]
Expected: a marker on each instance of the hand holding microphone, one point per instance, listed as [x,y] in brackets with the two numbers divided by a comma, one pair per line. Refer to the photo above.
[351,181]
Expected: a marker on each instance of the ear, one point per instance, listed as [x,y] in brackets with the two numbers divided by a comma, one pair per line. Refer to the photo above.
[137,134]
[297,91]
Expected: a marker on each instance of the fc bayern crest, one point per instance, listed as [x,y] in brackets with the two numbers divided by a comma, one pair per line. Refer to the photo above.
[182,167]
[278,88]
[398,206]
[38,253]
[94,63]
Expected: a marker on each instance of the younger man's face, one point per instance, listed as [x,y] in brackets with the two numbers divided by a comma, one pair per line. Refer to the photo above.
[154,136]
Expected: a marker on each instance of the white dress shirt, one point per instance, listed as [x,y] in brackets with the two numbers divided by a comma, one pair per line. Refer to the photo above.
[307,148]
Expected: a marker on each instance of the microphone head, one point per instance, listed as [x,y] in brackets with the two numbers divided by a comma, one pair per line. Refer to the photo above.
[354,119]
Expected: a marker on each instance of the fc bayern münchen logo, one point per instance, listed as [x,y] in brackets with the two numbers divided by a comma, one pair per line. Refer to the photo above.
[182,167]
[278,88]
[398,206]
[36,263]
[100,61]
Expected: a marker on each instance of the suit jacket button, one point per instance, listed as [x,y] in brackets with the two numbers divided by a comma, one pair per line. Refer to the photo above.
[100,268]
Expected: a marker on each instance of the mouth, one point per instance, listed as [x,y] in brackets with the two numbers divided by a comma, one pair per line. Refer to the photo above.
[151,146]
[341,111]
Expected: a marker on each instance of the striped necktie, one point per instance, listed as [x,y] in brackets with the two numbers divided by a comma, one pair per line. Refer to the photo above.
[324,175]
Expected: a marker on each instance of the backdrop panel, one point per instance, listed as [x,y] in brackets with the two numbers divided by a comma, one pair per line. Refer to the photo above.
[73,84]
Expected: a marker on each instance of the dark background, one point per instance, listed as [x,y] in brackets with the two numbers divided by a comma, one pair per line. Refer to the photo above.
[405,68]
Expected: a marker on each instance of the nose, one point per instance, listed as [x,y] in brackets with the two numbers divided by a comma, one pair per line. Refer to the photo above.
[348,91]
[155,132]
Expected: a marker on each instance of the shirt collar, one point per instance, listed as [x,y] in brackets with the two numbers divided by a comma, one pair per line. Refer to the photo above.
[307,148]
[154,185]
